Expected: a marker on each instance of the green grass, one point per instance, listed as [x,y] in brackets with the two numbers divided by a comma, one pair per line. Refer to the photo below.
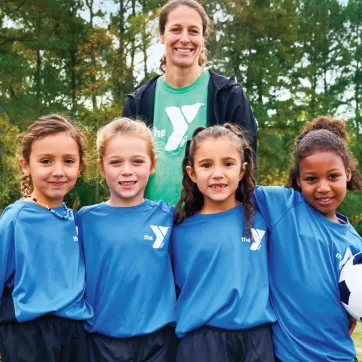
[357,337]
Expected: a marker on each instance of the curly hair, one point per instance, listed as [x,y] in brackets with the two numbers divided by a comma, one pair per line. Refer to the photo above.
[191,199]
[324,133]
[206,24]
[40,129]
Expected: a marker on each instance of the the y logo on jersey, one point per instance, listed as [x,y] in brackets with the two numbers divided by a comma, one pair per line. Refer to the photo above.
[160,232]
[179,119]
[348,254]
[257,236]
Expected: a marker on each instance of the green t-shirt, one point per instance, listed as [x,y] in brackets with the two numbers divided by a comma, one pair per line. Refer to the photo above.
[177,113]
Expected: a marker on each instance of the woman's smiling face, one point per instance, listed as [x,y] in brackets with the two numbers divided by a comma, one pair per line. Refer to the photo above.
[183,37]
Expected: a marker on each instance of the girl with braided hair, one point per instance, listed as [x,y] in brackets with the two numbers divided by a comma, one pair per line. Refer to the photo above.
[219,253]
[42,273]
[309,244]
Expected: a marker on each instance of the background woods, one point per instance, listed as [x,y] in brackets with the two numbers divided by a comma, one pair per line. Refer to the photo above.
[295,59]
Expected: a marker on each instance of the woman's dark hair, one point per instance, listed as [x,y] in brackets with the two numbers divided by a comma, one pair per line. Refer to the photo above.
[324,133]
[192,199]
[193,4]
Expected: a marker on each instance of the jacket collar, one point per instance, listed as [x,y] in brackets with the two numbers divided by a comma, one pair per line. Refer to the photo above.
[220,81]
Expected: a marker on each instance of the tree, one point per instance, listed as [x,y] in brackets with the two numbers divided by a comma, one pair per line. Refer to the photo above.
[9,185]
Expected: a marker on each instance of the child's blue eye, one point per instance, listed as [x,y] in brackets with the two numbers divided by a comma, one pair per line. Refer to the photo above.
[115,162]
[45,162]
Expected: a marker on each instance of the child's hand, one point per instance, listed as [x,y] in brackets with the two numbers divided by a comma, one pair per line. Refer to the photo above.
[352,326]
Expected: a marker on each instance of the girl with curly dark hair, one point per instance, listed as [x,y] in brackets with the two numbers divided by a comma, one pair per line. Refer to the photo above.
[309,244]
[219,253]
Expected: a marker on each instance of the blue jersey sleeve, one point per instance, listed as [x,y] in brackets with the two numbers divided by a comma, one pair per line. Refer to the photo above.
[274,201]
[79,219]
[7,243]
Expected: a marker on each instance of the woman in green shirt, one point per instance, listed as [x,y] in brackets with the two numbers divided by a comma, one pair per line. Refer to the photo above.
[185,96]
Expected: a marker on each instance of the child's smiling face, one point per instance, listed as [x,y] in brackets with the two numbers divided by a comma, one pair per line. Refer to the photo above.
[323,181]
[217,170]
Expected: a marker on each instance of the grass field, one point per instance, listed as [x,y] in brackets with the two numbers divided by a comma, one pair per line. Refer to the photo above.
[357,337]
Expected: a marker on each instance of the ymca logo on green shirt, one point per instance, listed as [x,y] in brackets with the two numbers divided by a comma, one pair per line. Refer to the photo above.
[179,118]
[177,113]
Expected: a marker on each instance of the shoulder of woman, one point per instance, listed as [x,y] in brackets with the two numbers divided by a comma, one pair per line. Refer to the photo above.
[145,86]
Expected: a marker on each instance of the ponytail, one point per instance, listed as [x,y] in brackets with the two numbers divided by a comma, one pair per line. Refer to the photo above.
[191,199]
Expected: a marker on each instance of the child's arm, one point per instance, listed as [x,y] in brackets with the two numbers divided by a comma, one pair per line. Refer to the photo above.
[274,201]
[7,258]
[352,326]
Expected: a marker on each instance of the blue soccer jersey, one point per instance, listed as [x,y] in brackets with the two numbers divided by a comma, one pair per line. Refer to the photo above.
[307,252]
[129,276]
[41,265]
[222,274]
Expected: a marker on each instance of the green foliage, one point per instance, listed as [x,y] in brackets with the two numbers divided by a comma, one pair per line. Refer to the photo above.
[295,59]
[9,182]
[352,208]
[357,338]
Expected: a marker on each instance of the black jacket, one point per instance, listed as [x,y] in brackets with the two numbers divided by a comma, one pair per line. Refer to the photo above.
[227,102]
